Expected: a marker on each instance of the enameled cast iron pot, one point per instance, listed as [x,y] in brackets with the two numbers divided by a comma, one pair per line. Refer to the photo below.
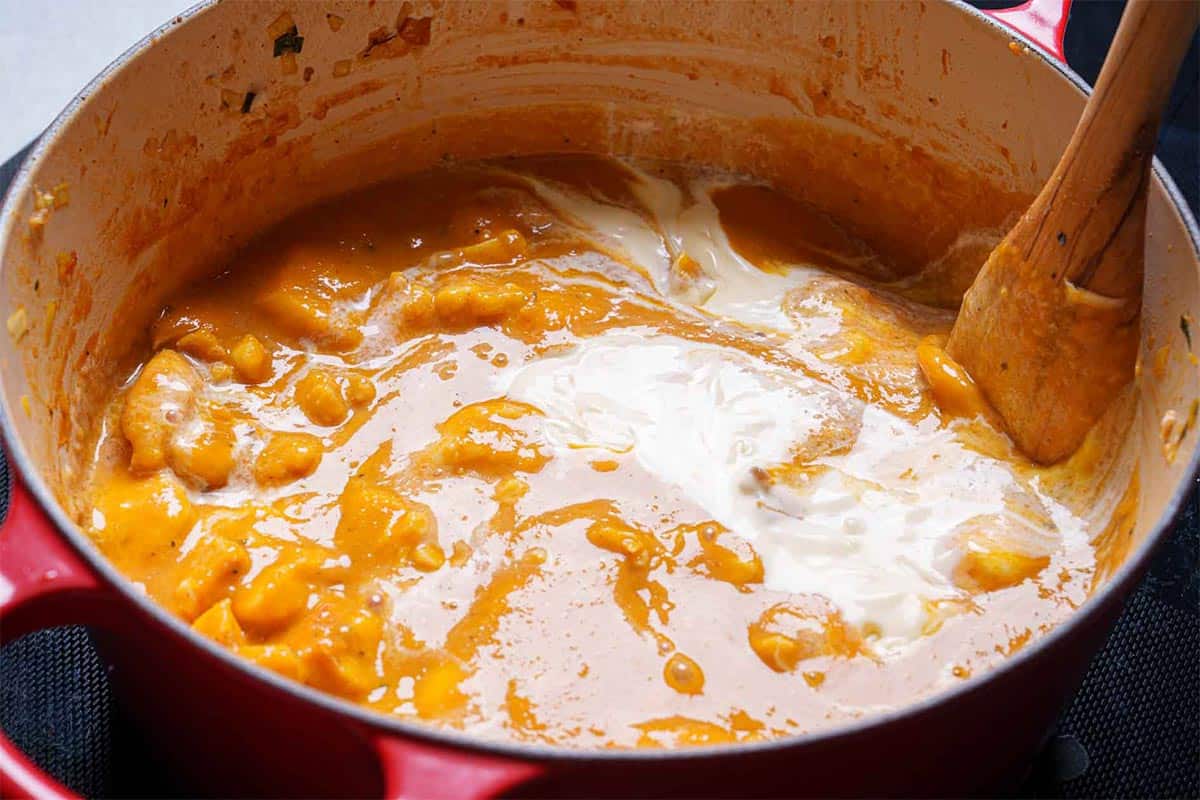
[209,130]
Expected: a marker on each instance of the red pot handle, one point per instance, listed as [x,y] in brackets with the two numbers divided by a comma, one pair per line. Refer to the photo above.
[1043,22]
[417,771]
[43,583]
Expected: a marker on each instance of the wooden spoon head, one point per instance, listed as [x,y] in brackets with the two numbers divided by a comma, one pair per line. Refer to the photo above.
[1048,355]
[1050,329]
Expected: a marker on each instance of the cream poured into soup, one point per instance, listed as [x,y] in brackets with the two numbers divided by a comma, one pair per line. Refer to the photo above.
[582,452]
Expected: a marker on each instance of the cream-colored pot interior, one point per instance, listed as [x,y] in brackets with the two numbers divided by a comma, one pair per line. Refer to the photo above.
[912,123]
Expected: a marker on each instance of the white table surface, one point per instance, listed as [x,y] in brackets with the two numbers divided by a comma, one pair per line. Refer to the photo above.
[49,49]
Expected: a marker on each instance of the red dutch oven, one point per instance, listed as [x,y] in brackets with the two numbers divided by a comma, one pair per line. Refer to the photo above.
[203,127]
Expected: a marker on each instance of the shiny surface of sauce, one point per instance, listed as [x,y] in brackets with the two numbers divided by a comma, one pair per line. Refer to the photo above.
[577,452]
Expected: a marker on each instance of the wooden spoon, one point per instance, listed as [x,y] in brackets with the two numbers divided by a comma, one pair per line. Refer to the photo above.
[1050,328]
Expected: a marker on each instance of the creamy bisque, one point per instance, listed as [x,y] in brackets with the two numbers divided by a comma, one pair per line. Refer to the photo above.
[572,451]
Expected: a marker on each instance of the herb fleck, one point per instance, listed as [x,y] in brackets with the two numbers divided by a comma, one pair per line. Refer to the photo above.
[1062,238]
[1186,327]
[290,41]
[247,102]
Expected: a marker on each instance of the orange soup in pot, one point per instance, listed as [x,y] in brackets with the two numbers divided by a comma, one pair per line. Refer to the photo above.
[589,453]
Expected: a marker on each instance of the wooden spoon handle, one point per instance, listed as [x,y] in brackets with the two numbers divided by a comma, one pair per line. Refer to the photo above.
[1096,192]
[1137,75]
[1050,329]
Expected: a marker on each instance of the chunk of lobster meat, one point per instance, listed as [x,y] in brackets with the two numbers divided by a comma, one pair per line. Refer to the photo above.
[160,400]
[279,594]
[795,631]
[139,522]
[343,657]
[208,572]
[219,624]
[491,438]
[203,453]
[1000,551]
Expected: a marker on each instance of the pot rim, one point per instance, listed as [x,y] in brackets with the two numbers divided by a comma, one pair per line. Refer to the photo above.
[376,722]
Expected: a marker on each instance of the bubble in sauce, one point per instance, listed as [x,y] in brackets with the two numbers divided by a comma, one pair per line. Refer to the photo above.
[683,674]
